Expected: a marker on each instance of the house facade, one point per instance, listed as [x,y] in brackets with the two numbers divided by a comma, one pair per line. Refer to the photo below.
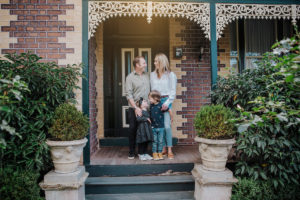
[202,39]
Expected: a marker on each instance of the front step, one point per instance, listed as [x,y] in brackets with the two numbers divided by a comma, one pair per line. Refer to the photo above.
[183,195]
[139,184]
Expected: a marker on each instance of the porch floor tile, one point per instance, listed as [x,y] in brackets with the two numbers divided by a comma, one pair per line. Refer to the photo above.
[118,155]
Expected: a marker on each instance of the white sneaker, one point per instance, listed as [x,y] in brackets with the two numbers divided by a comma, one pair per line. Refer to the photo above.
[142,157]
[148,157]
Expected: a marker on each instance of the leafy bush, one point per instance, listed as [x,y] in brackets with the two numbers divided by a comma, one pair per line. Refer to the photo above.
[269,141]
[19,184]
[68,123]
[49,86]
[269,124]
[10,92]
[212,122]
[249,189]
[239,89]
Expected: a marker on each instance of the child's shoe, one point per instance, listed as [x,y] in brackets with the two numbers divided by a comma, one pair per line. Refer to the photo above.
[160,156]
[155,156]
[148,157]
[170,155]
[142,157]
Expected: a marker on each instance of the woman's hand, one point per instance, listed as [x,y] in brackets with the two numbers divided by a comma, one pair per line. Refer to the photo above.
[164,107]
[149,120]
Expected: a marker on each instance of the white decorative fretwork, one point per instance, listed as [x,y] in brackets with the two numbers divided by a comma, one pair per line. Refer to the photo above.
[227,13]
[99,11]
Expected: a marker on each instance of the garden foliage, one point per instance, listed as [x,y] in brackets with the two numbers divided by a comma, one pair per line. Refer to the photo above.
[48,86]
[268,99]
[68,124]
[212,122]
[19,184]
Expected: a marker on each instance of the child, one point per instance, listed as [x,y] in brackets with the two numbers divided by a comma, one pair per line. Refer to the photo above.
[144,133]
[157,123]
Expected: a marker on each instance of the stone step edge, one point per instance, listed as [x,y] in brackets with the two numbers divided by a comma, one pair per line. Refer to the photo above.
[139,180]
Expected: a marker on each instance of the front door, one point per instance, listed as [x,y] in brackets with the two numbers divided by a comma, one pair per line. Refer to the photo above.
[120,48]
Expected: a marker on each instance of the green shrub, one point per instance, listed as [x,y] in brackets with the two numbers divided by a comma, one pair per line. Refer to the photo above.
[19,184]
[49,86]
[239,89]
[68,123]
[269,140]
[11,89]
[249,189]
[212,122]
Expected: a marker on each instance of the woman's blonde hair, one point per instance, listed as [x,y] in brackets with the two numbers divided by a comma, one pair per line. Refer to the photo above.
[163,64]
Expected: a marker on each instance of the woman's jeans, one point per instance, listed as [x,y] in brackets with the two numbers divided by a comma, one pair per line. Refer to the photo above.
[158,135]
[167,141]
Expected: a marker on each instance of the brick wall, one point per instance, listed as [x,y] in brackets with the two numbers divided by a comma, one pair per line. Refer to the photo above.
[51,29]
[224,53]
[37,28]
[198,76]
[92,95]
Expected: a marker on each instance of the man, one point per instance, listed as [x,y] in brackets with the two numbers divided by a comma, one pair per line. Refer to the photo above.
[137,86]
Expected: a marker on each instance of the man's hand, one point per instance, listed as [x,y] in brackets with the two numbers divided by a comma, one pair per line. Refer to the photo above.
[138,112]
[164,107]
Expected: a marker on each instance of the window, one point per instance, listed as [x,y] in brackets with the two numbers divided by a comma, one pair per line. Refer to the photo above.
[258,36]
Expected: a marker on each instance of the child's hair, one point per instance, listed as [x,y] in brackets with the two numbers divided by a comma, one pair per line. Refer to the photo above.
[155,95]
[139,102]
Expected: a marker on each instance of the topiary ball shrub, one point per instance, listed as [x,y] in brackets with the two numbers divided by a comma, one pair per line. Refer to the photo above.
[68,124]
[212,122]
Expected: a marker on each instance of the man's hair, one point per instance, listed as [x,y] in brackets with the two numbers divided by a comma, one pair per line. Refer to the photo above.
[137,60]
[155,95]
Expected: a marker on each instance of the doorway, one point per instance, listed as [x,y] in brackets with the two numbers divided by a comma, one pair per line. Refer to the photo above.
[124,39]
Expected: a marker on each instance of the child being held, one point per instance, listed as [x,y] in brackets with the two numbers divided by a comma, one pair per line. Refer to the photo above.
[144,133]
[157,124]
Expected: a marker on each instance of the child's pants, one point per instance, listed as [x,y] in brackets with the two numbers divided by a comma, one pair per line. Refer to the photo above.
[142,148]
[158,135]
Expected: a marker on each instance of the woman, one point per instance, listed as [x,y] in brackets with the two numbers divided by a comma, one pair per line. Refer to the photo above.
[164,81]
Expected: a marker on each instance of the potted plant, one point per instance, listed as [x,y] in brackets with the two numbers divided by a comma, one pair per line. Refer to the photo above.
[215,134]
[67,137]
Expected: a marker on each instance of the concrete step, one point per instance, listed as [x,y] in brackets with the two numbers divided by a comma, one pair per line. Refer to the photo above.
[136,170]
[138,184]
[182,195]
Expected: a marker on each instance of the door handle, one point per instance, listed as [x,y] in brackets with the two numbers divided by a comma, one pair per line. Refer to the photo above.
[120,83]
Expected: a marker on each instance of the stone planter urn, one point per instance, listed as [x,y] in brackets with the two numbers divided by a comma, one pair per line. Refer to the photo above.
[66,154]
[214,153]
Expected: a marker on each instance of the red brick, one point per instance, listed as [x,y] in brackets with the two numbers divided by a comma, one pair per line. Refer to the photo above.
[8,6]
[56,45]
[56,12]
[29,28]
[70,50]
[66,28]
[47,50]
[30,40]
[42,34]
[55,34]
[8,28]
[8,51]
[30,6]
[56,56]
[64,7]
[43,17]
[46,40]
[34,12]
[47,7]
[42,45]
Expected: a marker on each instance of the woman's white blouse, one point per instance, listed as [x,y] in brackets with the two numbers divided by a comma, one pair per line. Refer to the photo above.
[166,85]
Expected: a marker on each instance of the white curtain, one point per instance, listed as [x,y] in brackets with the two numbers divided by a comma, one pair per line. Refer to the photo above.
[260,35]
